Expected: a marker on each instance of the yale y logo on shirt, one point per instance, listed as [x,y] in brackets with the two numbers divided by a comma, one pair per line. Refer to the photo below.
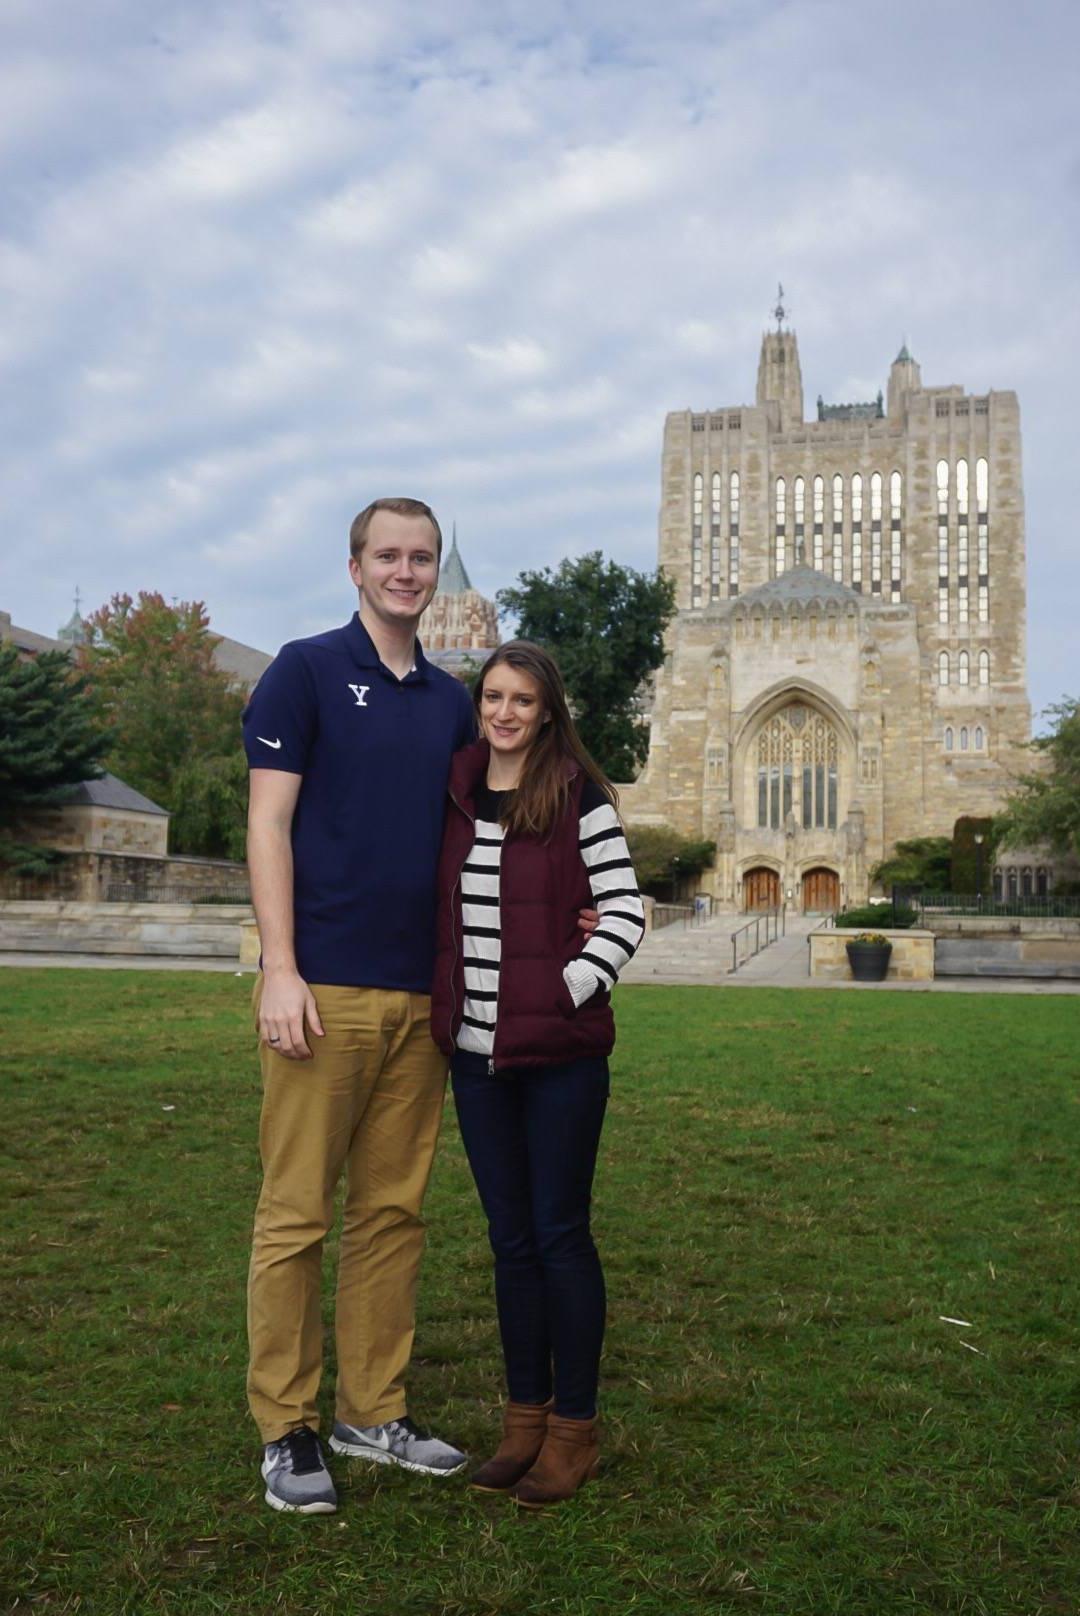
[360,692]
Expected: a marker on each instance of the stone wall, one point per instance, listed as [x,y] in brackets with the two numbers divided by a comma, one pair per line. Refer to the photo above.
[195,930]
[89,877]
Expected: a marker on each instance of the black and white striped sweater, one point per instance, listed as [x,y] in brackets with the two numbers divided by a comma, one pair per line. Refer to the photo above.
[615,896]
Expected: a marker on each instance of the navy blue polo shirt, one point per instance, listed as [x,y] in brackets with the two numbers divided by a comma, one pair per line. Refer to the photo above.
[374,752]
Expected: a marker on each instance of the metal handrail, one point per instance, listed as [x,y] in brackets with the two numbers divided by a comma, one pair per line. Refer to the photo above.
[774,918]
[688,915]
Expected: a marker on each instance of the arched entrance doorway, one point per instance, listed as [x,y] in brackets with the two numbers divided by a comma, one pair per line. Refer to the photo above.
[820,891]
[761,889]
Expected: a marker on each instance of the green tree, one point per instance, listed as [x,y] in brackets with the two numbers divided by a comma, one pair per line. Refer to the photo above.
[662,857]
[49,742]
[1044,810]
[210,816]
[605,624]
[921,861]
[155,684]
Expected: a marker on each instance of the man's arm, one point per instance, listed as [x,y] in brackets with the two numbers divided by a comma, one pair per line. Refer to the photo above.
[287,1001]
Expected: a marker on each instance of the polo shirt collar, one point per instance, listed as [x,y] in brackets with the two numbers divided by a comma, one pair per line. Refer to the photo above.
[364,654]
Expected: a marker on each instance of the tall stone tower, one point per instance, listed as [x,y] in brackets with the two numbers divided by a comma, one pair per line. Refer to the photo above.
[847,666]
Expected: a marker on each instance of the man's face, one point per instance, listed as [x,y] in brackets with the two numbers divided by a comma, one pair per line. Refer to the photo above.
[398,566]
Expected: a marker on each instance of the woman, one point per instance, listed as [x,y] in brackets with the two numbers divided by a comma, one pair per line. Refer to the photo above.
[521,1005]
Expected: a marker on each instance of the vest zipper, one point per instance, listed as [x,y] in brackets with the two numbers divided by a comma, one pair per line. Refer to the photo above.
[454,913]
[498,990]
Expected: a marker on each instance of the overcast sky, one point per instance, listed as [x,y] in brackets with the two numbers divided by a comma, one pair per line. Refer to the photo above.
[265,260]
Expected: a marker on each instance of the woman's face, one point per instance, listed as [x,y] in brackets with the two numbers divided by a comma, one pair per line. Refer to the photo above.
[511,709]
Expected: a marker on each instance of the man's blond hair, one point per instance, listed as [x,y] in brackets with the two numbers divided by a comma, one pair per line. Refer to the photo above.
[401,507]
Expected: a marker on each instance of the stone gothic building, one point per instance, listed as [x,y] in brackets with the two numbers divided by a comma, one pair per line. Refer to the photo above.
[847,666]
[461,626]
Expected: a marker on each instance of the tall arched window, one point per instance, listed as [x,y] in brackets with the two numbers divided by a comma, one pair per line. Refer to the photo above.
[895,506]
[875,533]
[963,738]
[948,738]
[980,738]
[982,511]
[964,668]
[797,766]
[943,668]
[984,667]
[695,540]
[819,523]
[733,534]
[856,531]
[715,505]
[838,529]
[943,539]
[781,525]
[800,521]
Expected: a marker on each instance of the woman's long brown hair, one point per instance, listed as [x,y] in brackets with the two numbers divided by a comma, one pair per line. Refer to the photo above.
[543,790]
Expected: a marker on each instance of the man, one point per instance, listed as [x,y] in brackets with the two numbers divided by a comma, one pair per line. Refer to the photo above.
[349,736]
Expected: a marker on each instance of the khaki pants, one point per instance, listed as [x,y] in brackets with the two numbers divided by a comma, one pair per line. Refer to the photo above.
[370,1102]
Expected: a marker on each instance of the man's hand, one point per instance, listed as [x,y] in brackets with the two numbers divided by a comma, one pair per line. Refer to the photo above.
[588,920]
[286,1003]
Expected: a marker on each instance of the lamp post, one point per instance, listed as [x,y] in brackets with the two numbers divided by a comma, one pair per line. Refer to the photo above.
[675,878]
[978,867]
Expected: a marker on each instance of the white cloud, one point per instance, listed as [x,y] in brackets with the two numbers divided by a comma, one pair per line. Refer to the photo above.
[260,263]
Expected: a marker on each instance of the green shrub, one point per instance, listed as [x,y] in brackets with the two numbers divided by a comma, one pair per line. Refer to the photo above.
[877,914]
[663,856]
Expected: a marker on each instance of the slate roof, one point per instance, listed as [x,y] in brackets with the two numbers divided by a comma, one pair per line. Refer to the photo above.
[109,792]
[243,663]
[802,584]
[453,579]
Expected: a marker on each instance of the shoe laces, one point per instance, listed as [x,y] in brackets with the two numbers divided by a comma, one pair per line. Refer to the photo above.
[304,1451]
[412,1431]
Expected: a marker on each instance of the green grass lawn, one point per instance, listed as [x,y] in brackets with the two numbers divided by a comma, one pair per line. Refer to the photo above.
[794,1187]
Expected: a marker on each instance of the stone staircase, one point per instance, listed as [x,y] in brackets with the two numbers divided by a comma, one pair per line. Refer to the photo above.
[703,954]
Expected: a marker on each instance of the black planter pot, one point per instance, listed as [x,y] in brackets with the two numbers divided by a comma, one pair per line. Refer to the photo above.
[869,961]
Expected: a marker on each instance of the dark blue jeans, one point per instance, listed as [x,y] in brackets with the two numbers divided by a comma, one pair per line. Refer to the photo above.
[531,1135]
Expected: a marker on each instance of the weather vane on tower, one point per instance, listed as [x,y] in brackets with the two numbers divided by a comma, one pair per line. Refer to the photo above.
[779,312]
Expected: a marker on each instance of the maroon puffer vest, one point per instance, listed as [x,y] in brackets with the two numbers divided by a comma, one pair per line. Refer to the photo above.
[542,888]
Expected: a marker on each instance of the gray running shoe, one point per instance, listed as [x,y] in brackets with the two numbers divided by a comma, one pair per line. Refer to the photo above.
[296,1476]
[398,1442]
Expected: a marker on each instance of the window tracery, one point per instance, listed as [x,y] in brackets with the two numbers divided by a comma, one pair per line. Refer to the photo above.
[797,761]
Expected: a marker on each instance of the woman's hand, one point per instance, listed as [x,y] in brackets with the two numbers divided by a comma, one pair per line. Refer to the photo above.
[588,920]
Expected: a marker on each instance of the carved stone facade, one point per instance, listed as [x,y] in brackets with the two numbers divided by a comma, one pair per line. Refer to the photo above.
[847,666]
[461,625]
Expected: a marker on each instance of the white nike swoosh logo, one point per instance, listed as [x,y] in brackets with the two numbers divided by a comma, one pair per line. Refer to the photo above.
[275,744]
[381,1441]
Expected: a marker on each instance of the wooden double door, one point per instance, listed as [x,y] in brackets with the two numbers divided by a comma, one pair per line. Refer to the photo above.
[761,889]
[820,892]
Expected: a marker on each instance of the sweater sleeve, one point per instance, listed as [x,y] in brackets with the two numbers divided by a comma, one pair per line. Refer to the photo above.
[615,894]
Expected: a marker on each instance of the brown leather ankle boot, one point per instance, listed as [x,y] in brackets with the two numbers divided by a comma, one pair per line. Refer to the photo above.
[524,1428]
[567,1460]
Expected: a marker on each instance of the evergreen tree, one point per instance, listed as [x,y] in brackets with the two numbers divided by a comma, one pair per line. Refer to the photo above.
[49,742]
[605,626]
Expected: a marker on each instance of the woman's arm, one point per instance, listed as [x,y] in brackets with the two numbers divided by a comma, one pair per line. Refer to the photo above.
[615,893]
